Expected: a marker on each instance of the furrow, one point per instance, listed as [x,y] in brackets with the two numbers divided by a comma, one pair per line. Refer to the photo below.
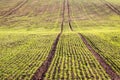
[69,18]
[14,9]
[40,73]
[113,75]
[110,6]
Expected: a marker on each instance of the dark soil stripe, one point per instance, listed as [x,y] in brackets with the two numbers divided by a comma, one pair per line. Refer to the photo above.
[70,26]
[40,73]
[63,16]
[15,8]
[110,6]
[69,18]
[113,75]
[113,8]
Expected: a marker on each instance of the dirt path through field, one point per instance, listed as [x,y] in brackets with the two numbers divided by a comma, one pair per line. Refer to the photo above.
[40,73]
[63,16]
[18,6]
[113,75]
[69,18]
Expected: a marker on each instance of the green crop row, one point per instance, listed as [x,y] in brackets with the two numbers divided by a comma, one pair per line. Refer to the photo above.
[100,25]
[73,61]
[108,46]
[22,54]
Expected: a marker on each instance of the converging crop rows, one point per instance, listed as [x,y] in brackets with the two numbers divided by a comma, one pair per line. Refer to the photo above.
[60,39]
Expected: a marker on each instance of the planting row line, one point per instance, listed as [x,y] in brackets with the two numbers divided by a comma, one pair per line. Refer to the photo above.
[21,61]
[107,48]
[74,61]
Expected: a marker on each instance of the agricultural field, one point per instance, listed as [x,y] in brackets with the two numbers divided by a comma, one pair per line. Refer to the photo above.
[107,43]
[59,39]
[71,50]
[23,53]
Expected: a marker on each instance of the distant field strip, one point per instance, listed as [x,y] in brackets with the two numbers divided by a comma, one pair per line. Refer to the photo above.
[63,15]
[111,7]
[15,8]
[69,15]
[6,5]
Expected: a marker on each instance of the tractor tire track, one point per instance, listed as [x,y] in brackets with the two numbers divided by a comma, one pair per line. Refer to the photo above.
[113,75]
[101,10]
[69,18]
[63,16]
[14,9]
[113,8]
[40,73]
[110,6]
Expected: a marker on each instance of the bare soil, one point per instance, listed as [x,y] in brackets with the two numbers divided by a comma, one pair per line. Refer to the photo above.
[113,8]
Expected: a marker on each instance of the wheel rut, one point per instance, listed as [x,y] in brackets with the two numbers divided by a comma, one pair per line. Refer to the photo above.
[18,6]
[110,6]
[63,16]
[40,73]
[69,17]
[113,8]
[113,75]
